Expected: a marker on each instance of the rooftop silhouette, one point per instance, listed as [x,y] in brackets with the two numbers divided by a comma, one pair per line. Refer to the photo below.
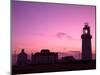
[22,58]
[44,57]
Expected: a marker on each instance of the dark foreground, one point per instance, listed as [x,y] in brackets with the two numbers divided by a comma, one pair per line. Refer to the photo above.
[65,66]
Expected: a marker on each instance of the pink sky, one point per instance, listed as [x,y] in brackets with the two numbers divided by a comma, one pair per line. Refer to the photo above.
[57,27]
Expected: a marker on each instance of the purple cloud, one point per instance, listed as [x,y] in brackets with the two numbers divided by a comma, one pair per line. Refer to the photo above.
[61,35]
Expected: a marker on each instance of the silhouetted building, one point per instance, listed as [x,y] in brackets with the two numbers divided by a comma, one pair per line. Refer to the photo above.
[44,57]
[22,58]
[86,43]
[68,59]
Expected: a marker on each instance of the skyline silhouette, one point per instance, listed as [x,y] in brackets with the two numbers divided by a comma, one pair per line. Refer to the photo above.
[47,57]
[75,54]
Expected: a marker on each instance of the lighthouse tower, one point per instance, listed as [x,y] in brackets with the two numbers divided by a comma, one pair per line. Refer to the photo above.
[86,43]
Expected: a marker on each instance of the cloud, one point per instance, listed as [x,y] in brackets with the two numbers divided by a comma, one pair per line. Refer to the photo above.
[61,35]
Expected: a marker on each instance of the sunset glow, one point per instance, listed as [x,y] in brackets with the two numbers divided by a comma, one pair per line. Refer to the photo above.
[57,27]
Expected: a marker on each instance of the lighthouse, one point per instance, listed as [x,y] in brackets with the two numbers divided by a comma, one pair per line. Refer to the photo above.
[86,43]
